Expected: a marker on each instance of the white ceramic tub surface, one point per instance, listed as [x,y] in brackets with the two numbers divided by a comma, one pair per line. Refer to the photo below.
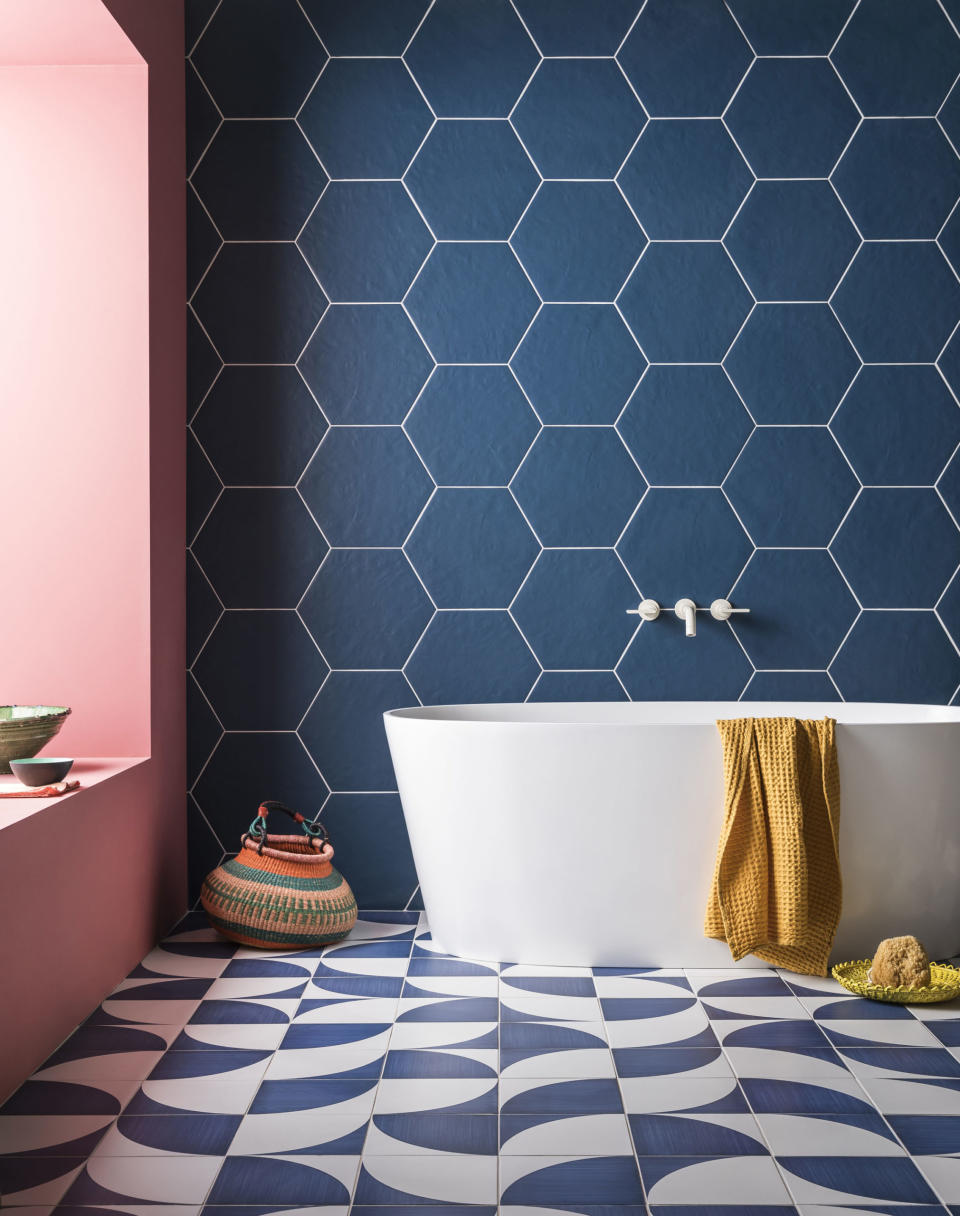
[585,834]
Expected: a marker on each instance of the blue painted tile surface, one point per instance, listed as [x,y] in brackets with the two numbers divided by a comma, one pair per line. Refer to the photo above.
[472,179]
[669,37]
[807,340]
[578,118]
[365,118]
[472,425]
[792,117]
[365,364]
[685,179]
[544,294]
[600,235]
[792,240]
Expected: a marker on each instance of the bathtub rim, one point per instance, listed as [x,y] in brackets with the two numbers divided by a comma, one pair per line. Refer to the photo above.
[653,713]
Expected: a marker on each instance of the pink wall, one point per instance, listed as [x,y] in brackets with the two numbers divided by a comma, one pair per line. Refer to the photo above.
[90,882]
[74,351]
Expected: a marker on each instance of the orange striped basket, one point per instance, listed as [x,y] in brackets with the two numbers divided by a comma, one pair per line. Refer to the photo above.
[280,892]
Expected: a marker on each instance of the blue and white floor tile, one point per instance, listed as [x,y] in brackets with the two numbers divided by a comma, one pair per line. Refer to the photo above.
[383,1077]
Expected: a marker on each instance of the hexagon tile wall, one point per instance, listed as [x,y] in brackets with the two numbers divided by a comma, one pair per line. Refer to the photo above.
[505,313]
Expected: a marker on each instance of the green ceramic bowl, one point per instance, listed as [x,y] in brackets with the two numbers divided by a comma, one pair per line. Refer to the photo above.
[42,770]
[24,729]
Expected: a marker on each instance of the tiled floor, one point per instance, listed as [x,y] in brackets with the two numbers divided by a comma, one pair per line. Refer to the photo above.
[381,1077]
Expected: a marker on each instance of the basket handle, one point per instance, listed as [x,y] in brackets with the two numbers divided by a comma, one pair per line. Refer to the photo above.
[312,828]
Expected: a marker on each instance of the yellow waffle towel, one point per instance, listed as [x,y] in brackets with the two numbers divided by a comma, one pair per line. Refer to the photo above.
[776,888]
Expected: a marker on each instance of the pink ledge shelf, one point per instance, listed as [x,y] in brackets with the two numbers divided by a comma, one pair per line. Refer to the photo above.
[90,772]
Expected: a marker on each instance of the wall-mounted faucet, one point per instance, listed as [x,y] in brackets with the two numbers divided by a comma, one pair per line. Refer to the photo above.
[686,610]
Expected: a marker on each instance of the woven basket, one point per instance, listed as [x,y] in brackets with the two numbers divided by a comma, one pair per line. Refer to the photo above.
[280,892]
[944,984]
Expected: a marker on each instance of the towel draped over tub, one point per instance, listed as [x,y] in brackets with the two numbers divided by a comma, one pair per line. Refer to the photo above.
[776,888]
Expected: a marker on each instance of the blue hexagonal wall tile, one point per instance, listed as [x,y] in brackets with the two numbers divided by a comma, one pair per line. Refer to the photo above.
[472,180]
[366,241]
[780,630]
[792,117]
[259,303]
[685,302]
[685,179]
[790,686]
[203,608]
[244,766]
[384,877]
[203,735]
[259,548]
[472,58]
[668,38]
[898,57]
[366,486]
[949,486]
[898,548]
[898,302]
[792,363]
[949,115]
[578,118]
[948,609]
[810,28]
[578,686]
[557,484]
[366,363]
[365,27]
[577,27]
[259,425]
[897,656]
[472,548]
[203,363]
[365,118]
[259,180]
[259,62]
[578,363]
[472,657]
[593,627]
[949,362]
[595,227]
[343,730]
[203,118]
[203,241]
[366,608]
[472,303]
[949,239]
[203,486]
[685,425]
[791,486]
[711,667]
[472,426]
[248,695]
[899,178]
[898,425]
[684,543]
[792,240]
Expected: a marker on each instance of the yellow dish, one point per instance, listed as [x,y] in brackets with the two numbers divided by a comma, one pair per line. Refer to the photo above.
[944,984]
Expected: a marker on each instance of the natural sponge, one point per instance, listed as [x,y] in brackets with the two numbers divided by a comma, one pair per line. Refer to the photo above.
[901,962]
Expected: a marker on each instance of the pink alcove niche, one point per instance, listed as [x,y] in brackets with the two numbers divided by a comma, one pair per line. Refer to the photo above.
[92,411]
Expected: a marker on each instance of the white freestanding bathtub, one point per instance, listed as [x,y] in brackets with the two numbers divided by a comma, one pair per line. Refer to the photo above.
[585,834]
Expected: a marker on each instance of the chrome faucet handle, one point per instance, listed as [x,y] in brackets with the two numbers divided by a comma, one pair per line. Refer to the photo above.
[647,610]
[686,610]
[722,610]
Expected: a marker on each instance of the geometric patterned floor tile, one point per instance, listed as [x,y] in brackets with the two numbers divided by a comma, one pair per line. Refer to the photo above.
[381,1077]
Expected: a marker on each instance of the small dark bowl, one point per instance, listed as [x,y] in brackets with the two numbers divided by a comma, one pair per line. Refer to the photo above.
[44,770]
